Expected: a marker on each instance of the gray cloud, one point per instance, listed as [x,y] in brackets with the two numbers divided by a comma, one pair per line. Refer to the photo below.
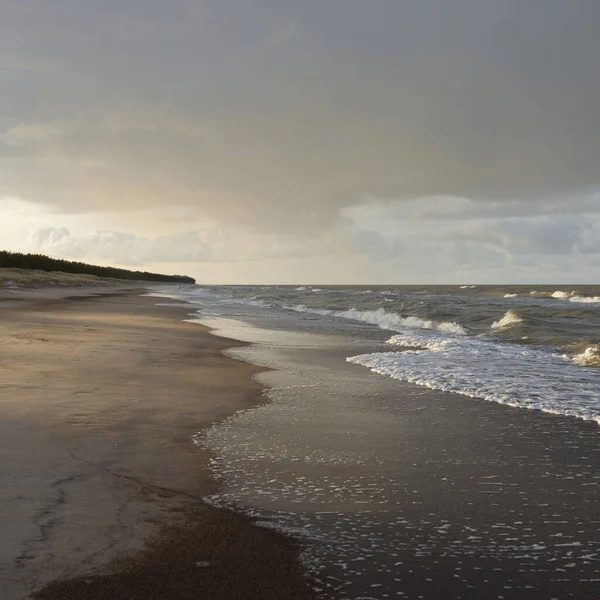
[462,236]
[207,244]
[278,115]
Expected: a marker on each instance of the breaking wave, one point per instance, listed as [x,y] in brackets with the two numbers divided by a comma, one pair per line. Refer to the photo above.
[585,299]
[573,296]
[478,367]
[386,320]
[590,357]
[558,294]
[562,295]
[508,320]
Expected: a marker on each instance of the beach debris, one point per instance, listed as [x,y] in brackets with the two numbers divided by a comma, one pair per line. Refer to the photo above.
[202,564]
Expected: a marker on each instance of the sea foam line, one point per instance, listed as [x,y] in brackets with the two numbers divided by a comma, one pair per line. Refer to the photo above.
[572,296]
[505,373]
[385,320]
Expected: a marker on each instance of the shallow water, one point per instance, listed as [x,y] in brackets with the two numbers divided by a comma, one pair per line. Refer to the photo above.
[402,491]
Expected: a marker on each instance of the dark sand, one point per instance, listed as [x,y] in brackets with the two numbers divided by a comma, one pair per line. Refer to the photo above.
[102,489]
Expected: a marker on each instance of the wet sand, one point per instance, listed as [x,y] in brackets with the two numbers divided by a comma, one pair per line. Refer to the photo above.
[102,488]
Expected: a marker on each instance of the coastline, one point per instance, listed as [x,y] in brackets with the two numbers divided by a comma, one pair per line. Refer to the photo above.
[102,394]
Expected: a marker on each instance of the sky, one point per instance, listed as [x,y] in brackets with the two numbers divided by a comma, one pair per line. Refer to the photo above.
[305,141]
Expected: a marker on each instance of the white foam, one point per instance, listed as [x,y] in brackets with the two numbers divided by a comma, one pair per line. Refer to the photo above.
[510,295]
[510,318]
[585,299]
[519,376]
[558,296]
[572,296]
[562,295]
[590,357]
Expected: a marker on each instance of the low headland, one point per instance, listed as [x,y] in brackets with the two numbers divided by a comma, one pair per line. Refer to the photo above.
[35,265]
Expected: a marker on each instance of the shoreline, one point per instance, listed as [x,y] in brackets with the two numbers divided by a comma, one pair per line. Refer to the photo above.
[396,450]
[113,504]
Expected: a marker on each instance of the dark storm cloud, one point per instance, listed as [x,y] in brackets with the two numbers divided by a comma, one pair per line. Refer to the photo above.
[278,114]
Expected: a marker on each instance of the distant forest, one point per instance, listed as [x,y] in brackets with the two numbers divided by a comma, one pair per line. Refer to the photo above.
[16,260]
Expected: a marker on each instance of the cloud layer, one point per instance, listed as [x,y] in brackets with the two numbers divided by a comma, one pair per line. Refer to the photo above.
[276,120]
[378,241]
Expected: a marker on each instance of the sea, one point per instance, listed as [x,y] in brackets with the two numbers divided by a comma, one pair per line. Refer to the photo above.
[420,441]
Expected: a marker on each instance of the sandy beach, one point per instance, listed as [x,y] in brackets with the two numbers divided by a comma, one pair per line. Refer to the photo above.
[102,488]
[402,491]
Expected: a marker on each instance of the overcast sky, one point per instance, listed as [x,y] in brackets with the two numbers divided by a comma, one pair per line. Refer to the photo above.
[326,141]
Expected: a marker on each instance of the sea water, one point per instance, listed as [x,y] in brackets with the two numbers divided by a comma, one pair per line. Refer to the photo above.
[388,481]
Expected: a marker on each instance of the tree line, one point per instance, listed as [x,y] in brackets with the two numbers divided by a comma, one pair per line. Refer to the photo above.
[40,262]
